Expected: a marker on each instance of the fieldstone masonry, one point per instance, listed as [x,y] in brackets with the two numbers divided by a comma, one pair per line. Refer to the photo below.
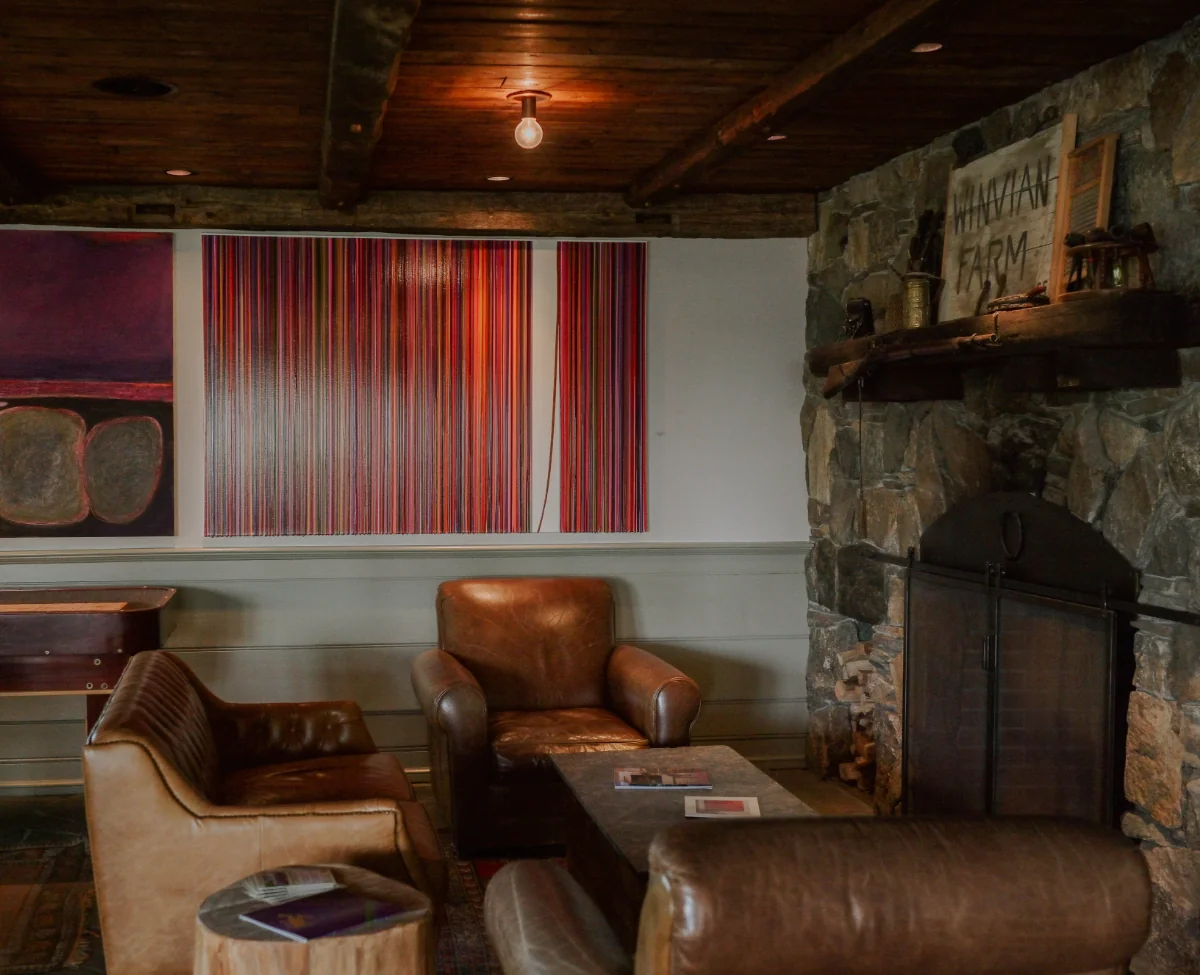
[1126,462]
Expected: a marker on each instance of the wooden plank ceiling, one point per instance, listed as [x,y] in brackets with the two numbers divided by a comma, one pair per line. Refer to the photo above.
[632,81]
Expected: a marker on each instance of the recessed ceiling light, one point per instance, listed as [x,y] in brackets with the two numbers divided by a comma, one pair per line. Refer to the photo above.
[927,47]
[179,172]
[133,86]
[499,179]
[777,137]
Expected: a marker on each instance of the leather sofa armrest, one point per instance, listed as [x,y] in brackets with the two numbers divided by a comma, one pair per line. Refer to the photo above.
[250,735]
[452,701]
[659,700]
[541,922]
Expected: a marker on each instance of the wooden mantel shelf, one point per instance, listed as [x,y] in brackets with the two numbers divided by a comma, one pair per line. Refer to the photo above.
[1117,340]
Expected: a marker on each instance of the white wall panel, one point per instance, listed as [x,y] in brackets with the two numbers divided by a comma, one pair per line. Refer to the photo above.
[326,624]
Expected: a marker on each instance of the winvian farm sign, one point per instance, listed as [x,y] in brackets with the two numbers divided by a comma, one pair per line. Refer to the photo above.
[1000,223]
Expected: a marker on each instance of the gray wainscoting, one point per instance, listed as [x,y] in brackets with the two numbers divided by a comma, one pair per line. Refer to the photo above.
[319,623]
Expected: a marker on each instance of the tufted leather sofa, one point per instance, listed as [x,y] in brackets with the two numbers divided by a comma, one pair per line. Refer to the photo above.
[1019,896]
[187,794]
[526,668]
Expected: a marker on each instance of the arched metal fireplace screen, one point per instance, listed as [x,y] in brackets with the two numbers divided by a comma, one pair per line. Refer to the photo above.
[1018,663]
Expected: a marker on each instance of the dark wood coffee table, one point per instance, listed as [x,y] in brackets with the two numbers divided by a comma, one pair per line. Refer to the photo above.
[609,831]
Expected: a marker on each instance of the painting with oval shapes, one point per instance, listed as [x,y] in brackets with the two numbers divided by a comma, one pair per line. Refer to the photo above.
[86,422]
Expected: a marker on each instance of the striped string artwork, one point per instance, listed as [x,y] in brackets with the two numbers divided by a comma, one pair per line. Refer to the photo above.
[602,372]
[366,385]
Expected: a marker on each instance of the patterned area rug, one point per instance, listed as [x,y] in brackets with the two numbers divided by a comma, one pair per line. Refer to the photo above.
[463,947]
[49,924]
[45,895]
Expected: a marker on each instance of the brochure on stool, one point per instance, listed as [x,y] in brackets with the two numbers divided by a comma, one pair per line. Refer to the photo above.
[289,884]
[661,778]
[720,807]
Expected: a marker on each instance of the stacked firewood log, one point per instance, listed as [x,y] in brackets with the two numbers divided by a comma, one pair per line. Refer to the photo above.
[863,687]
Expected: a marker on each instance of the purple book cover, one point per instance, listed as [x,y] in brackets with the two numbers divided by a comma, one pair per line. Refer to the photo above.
[322,915]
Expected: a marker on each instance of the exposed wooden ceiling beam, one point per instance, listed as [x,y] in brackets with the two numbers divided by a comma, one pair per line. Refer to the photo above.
[896,23]
[368,39]
[480,214]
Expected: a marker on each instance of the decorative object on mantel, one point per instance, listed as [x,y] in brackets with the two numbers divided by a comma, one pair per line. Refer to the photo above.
[921,288]
[1119,340]
[1003,219]
[1032,298]
[1103,261]
[1087,197]
[860,318]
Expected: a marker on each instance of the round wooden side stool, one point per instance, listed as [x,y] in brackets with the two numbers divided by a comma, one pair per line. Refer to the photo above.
[227,945]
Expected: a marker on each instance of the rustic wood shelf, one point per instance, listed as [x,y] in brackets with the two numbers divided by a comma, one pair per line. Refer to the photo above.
[1115,340]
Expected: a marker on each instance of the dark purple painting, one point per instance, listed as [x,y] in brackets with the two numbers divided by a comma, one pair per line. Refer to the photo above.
[86,417]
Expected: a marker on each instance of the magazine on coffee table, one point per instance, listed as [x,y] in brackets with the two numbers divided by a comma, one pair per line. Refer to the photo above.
[333,912]
[720,807]
[661,778]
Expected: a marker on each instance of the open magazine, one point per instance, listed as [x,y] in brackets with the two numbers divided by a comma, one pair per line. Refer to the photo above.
[665,778]
[720,807]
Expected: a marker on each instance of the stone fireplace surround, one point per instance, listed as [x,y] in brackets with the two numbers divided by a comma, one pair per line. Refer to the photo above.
[1127,462]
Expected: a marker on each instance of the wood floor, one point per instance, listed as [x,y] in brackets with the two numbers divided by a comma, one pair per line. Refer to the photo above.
[827,797]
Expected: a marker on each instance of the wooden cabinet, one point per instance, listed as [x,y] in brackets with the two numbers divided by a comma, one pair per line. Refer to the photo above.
[77,641]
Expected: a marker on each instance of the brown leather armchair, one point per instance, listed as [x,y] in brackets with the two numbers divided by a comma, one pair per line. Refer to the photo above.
[526,668]
[854,896]
[187,794]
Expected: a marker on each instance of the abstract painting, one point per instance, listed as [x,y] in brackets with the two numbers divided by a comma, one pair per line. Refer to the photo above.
[366,385]
[86,422]
[602,371]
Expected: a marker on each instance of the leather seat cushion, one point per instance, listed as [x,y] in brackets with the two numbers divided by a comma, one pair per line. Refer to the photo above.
[525,739]
[341,777]
[325,779]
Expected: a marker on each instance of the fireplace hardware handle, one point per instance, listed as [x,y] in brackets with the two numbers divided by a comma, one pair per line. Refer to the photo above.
[990,648]
[1012,552]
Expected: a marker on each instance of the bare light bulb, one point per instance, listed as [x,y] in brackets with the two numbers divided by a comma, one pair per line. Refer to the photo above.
[529,133]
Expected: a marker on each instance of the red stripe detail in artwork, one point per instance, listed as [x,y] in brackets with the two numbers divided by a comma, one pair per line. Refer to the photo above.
[91,389]
[602,372]
[366,385]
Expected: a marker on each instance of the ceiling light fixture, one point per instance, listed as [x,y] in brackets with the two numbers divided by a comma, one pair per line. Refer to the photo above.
[529,132]
[132,86]
[927,47]
[179,172]
[777,137]
[499,179]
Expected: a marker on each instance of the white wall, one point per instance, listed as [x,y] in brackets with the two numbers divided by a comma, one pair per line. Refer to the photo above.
[321,623]
[725,345]
[726,386]
[716,586]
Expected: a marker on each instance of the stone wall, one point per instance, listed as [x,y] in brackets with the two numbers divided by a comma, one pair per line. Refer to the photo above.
[1126,462]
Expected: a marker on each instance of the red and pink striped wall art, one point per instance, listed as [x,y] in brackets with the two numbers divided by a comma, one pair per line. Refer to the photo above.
[366,385]
[602,371]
